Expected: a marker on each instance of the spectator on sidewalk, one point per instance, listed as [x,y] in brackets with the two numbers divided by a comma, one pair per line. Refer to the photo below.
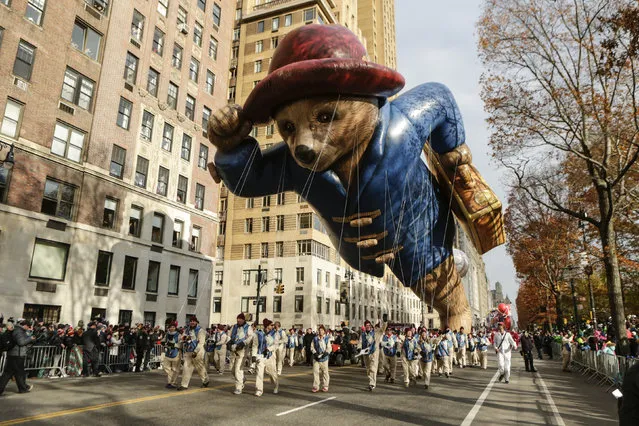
[18,347]
[538,344]
[566,351]
[527,346]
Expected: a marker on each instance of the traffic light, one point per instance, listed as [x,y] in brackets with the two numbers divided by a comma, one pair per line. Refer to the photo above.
[279,289]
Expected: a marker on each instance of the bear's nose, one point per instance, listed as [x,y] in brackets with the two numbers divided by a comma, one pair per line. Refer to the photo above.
[305,154]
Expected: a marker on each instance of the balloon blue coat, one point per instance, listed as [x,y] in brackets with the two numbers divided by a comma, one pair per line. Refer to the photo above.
[393,186]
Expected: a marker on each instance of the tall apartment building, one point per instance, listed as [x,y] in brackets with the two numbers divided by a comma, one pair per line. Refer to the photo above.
[376,20]
[280,233]
[108,209]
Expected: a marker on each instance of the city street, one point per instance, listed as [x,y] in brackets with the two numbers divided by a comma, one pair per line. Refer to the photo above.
[470,396]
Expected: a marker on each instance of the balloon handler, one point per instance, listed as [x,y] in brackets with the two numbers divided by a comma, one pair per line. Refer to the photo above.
[378,173]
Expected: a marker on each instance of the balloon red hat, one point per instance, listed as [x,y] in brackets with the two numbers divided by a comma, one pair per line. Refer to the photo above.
[316,60]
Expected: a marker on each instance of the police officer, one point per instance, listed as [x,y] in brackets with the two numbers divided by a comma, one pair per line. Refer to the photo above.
[427,353]
[172,358]
[193,342]
[219,356]
[241,335]
[281,349]
[321,349]
[265,343]
[390,345]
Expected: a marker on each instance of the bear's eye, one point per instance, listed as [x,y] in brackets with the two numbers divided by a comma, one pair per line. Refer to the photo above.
[324,117]
[288,127]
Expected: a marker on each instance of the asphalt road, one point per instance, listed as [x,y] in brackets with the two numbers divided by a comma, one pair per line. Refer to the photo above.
[470,396]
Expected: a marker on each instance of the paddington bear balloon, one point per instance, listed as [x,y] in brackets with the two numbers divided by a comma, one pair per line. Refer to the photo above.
[382,175]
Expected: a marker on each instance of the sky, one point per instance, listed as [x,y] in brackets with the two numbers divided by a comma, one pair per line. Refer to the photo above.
[437,41]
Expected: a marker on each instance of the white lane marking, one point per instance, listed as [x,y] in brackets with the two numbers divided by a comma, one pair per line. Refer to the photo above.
[304,406]
[471,415]
[558,419]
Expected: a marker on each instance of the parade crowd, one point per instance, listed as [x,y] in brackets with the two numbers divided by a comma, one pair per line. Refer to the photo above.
[417,352]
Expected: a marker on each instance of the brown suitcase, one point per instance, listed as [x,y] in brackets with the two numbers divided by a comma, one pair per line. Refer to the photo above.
[477,207]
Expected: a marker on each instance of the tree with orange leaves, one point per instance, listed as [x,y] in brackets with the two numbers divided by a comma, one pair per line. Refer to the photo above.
[562,95]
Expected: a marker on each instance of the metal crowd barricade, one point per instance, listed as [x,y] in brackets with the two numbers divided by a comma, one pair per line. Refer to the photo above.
[156,356]
[49,358]
[556,349]
[3,358]
[118,358]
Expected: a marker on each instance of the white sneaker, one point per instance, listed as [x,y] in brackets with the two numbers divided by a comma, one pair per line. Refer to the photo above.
[276,390]
[258,393]
[237,392]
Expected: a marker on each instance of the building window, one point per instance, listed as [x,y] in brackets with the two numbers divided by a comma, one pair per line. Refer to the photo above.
[58,199]
[246,278]
[270,129]
[279,200]
[146,131]
[257,66]
[182,16]
[137,25]
[199,196]
[203,157]
[86,40]
[266,201]
[223,205]
[279,249]
[219,278]
[217,14]
[167,137]
[266,224]
[195,239]
[194,69]
[277,304]
[183,184]
[280,222]
[174,280]
[131,68]
[158,41]
[118,159]
[213,48]
[186,147]
[189,107]
[274,42]
[197,34]
[153,277]
[135,220]
[303,247]
[128,276]
[206,114]
[77,89]
[202,5]
[217,305]
[110,211]
[231,96]
[152,82]
[275,24]
[328,306]
[221,228]
[260,27]
[250,203]
[259,46]
[149,319]
[210,82]
[248,225]
[141,171]
[247,251]
[300,274]
[264,250]
[163,181]
[178,229]
[103,268]
[157,229]
[163,7]
[288,20]
[23,65]
[172,95]
[299,303]
[12,118]
[309,15]
[193,282]
[49,260]
[304,220]
[238,14]
[124,113]
[319,277]
[176,59]
[35,11]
